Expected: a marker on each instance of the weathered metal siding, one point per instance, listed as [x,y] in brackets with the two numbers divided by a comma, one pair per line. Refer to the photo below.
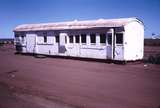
[49,47]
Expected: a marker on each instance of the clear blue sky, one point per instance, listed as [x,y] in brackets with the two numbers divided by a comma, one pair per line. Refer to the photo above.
[15,12]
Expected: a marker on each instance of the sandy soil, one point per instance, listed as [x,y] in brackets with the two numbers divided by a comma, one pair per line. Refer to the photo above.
[29,82]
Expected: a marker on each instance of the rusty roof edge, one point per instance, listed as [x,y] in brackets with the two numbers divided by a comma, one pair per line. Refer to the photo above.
[81,24]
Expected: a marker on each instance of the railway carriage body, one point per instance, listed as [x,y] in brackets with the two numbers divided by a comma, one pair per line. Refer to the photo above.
[114,39]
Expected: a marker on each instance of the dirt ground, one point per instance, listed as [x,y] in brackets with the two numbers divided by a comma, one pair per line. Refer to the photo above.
[29,82]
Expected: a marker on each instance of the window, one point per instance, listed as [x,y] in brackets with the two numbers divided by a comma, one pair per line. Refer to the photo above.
[17,38]
[65,39]
[45,37]
[103,38]
[16,35]
[57,39]
[93,38]
[22,39]
[77,38]
[109,38]
[71,39]
[119,38]
[83,38]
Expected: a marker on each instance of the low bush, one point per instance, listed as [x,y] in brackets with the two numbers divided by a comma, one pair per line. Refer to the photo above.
[154,59]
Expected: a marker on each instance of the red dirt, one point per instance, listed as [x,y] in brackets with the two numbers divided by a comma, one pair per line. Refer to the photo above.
[75,83]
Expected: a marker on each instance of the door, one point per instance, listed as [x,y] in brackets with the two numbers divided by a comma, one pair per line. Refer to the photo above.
[110,46]
[115,46]
[73,48]
[31,43]
[62,42]
[119,48]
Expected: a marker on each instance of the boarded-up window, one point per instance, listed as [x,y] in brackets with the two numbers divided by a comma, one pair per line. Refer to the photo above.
[83,38]
[71,39]
[57,39]
[77,38]
[119,38]
[109,38]
[93,38]
[103,38]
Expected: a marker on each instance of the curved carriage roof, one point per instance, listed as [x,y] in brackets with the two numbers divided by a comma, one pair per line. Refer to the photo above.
[76,24]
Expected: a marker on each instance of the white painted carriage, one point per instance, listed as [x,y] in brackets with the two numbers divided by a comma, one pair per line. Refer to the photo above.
[114,39]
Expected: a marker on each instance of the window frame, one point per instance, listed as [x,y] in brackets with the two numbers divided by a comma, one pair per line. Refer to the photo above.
[17,38]
[93,38]
[71,41]
[45,37]
[85,39]
[23,38]
[100,35]
[65,39]
[57,38]
[122,38]
[109,40]
[77,39]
